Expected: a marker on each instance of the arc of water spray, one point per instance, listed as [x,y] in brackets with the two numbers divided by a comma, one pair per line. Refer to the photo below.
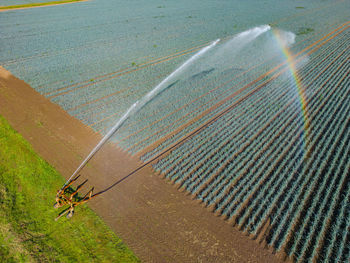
[138,106]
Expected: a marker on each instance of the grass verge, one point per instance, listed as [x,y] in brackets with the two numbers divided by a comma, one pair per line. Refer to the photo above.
[28,232]
[38,4]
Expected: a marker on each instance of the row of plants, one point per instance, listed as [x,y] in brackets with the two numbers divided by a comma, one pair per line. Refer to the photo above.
[170,125]
[201,141]
[261,164]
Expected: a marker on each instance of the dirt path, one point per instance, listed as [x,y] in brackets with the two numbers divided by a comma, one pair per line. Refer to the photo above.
[159,223]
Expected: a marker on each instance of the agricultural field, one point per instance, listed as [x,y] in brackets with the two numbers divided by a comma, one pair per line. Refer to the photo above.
[257,128]
[278,156]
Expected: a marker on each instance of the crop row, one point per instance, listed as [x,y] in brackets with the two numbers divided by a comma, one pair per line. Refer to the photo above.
[279,227]
[112,114]
[176,136]
[184,105]
[291,181]
[310,166]
[338,221]
[282,171]
[201,139]
[151,153]
[229,145]
[327,194]
[315,102]
[234,164]
[253,98]
[283,160]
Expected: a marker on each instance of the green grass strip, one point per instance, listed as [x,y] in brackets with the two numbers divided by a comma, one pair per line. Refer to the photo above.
[38,4]
[28,231]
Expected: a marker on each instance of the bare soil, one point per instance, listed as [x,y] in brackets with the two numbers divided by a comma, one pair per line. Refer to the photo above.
[158,222]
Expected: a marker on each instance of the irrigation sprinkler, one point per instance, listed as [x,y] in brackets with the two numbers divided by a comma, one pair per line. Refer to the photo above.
[137,106]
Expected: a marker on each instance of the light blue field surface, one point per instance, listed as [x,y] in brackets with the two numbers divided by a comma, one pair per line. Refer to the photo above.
[257,138]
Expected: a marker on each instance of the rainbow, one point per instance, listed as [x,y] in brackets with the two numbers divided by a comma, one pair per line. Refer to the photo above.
[291,64]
